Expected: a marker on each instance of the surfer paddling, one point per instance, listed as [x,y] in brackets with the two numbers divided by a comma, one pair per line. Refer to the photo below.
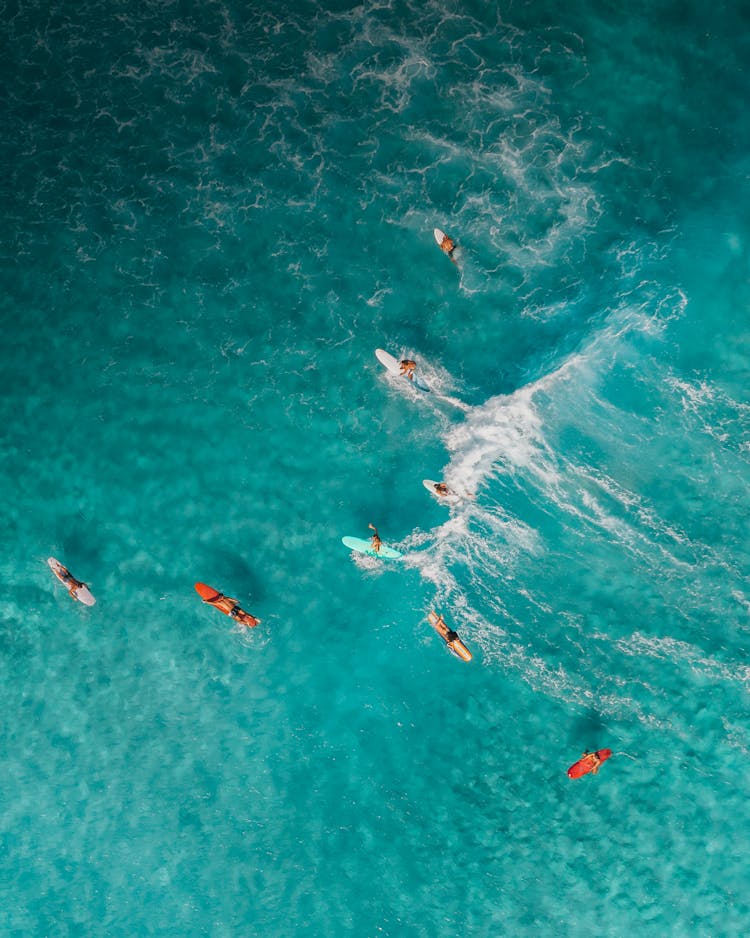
[71,583]
[589,763]
[77,589]
[239,615]
[449,636]
[594,760]
[447,245]
[375,541]
[444,493]
[230,607]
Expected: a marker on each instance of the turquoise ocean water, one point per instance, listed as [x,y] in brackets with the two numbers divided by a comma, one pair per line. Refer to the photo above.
[212,215]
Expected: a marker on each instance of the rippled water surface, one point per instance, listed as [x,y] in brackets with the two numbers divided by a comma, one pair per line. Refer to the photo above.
[213,215]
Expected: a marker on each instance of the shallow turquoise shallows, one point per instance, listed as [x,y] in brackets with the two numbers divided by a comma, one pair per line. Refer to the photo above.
[212,216]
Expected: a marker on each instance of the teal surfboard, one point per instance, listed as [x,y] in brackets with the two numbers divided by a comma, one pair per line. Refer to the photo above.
[365,547]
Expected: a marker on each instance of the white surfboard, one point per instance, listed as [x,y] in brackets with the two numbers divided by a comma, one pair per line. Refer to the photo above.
[393,366]
[441,237]
[389,362]
[80,592]
[430,484]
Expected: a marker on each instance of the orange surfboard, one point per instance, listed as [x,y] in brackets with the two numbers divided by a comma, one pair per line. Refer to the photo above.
[454,644]
[207,593]
[588,763]
[225,604]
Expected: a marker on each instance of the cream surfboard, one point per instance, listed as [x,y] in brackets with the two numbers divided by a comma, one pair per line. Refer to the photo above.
[451,639]
[393,367]
[448,498]
[76,589]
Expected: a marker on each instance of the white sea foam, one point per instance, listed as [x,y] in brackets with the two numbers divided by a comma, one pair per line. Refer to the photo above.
[511,441]
[505,432]
[684,655]
[712,411]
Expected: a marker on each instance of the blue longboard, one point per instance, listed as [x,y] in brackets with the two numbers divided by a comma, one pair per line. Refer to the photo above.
[363,546]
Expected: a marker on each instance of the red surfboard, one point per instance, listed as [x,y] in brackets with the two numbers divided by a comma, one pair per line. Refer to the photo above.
[225,604]
[588,763]
[207,593]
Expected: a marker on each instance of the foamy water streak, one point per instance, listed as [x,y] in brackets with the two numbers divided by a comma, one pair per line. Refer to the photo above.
[213,215]
[478,559]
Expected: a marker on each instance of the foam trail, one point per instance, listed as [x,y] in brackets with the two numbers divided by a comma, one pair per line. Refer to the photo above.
[507,430]
[454,402]
[473,559]
[437,379]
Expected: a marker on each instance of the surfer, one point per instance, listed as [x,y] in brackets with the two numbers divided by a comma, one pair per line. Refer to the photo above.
[449,635]
[230,607]
[442,489]
[233,609]
[244,618]
[376,542]
[407,368]
[73,585]
[448,246]
[77,589]
[451,639]
[595,761]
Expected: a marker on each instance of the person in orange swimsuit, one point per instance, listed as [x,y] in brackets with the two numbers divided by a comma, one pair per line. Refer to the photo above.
[408,368]
[448,246]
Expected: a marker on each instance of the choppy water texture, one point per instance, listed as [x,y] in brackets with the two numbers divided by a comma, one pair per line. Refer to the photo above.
[212,217]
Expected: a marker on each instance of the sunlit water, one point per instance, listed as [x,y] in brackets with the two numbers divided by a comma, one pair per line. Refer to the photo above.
[212,217]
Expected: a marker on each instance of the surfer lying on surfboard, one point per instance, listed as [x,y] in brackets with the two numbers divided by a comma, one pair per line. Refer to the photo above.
[444,493]
[589,762]
[226,604]
[594,760]
[448,634]
[451,638]
[72,584]
[447,245]
[76,588]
